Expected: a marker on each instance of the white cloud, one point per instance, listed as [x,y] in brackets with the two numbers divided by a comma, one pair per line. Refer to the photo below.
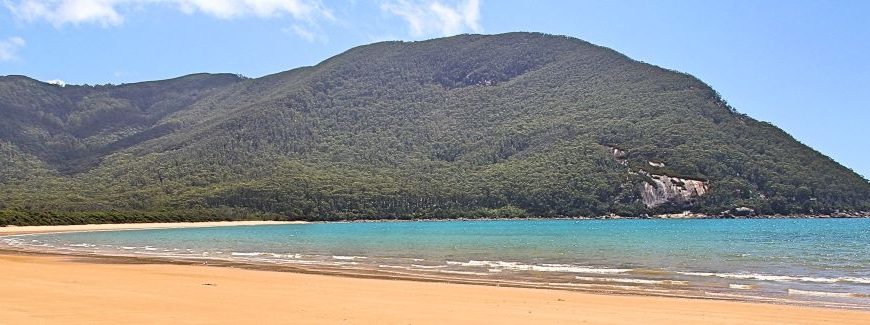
[308,10]
[59,12]
[435,17]
[306,33]
[9,48]
[109,12]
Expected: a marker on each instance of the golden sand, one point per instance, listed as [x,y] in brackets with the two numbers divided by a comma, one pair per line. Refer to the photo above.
[43,289]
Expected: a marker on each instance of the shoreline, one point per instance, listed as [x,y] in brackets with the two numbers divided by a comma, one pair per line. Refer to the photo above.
[62,289]
[353,272]
[16,229]
[383,275]
[28,230]
[676,216]
[608,289]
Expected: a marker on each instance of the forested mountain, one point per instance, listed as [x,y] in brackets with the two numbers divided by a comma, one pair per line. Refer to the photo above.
[517,124]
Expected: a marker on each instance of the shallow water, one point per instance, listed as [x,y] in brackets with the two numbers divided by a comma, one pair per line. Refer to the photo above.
[812,261]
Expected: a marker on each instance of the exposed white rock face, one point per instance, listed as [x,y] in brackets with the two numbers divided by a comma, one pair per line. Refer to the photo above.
[671,189]
[57,82]
[662,189]
[618,154]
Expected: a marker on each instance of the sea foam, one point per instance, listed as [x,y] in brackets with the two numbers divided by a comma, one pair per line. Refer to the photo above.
[823,293]
[246,254]
[339,257]
[779,278]
[630,280]
[514,266]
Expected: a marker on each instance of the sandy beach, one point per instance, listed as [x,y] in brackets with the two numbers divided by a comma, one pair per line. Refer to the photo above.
[56,289]
[76,290]
[15,230]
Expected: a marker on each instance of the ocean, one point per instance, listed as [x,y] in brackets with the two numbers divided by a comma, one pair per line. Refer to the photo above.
[822,262]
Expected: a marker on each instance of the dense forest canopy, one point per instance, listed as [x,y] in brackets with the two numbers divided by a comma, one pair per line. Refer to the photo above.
[518,124]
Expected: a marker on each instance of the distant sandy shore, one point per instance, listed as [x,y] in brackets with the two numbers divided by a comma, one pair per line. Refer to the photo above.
[47,289]
[15,230]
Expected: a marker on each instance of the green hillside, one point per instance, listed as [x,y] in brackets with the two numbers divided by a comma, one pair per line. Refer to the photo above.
[516,124]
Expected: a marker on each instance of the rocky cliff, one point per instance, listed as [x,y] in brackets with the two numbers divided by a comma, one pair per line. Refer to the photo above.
[662,189]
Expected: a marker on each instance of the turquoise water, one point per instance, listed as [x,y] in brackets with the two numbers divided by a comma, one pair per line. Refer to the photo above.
[816,261]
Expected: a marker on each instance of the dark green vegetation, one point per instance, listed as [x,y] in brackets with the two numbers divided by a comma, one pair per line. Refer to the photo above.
[473,126]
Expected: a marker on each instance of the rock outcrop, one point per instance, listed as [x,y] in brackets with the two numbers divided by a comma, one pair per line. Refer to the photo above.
[662,189]
[618,154]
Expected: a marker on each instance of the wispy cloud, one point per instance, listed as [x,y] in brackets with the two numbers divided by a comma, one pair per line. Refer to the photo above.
[310,33]
[111,12]
[436,17]
[307,10]
[9,48]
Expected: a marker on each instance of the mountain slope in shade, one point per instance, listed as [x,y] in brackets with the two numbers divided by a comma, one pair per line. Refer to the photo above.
[517,124]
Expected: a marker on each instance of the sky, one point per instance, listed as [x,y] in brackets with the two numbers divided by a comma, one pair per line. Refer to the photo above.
[801,65]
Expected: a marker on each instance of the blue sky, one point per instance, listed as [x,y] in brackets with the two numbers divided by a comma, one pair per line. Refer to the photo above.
[802,65]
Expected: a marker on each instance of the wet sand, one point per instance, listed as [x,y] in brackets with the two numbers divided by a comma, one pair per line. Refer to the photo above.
[56,289]
[50,289]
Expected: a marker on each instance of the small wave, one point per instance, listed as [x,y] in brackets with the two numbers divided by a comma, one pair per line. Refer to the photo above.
[855,280]
[463,272]
[514,266]
[650,272]
[81,245]
[339,257]
[740,286]
[778,278]
[290,256]
[740,297]
[159,254]
[607,287]
[385,266]
[128,247]
[245,254]
[14,242]
[303,262]
[825,294]
[575,269]
[630,280]
[428,266]
[570,284]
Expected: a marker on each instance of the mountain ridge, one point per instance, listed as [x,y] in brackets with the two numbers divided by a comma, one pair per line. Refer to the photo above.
[518,124]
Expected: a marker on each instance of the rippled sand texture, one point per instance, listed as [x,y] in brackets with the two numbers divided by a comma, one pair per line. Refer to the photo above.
[67,290]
